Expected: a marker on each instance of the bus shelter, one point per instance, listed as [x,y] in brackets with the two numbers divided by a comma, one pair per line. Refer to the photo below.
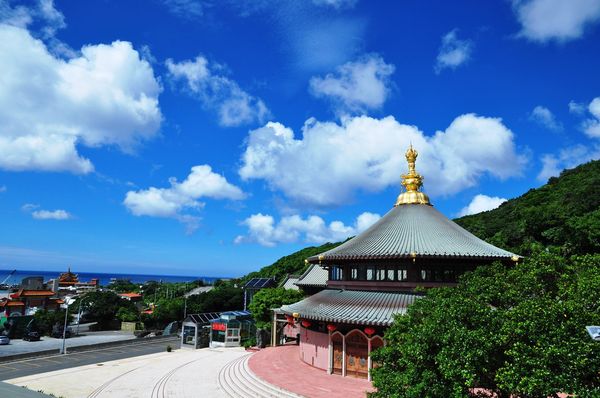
[231,329]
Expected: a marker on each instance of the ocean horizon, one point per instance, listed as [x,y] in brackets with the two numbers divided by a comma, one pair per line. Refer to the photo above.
[104,277]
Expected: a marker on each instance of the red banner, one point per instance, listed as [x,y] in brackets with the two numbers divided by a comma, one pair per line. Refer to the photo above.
[219,326]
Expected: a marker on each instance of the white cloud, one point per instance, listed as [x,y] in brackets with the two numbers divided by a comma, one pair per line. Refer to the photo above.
[46,214]
[559,20]
[332,161]
[481,203]
[262,229]
[453,52]
[592,125]
[234,106]
[49,106]
[356,86]
[337,4]
[553,164]
[188,9]
[546,118]
[41,11]
[576,108]
[51,215]
[172,202]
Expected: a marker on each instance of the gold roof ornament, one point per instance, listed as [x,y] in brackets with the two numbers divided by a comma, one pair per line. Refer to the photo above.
[412,181]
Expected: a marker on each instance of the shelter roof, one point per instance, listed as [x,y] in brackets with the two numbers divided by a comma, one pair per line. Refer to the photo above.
[203,318]
[259,283]
[353,306]
[314,275]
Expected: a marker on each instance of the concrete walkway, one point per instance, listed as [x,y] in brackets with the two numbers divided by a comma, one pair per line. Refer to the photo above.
[177,374]
[282,367]
[8,390]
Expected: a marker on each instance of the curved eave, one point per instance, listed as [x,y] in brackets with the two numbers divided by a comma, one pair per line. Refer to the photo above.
[329,259]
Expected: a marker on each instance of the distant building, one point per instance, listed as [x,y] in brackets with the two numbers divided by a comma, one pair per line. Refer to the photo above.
[135,298]
[68,283]
[34,300]
[373,276]
[33,283]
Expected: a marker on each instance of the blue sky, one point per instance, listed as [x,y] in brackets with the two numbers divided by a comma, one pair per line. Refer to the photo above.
[201,137]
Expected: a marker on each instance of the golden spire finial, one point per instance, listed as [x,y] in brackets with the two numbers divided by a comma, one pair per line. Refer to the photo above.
[412,182]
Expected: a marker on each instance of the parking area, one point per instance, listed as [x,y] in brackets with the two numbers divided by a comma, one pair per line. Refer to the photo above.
[31,366]
[18,346]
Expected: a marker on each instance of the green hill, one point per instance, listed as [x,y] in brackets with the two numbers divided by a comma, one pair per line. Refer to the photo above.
[291,264]
[563,214]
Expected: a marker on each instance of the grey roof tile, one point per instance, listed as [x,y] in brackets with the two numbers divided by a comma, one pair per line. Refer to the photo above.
[413,228]
[353,306]
[314,276]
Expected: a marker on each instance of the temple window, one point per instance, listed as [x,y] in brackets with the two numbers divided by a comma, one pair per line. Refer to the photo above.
[336,273]
[402,274]
[371,273]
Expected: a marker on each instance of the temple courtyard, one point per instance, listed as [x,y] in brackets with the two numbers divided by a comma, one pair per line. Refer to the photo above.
[224,372]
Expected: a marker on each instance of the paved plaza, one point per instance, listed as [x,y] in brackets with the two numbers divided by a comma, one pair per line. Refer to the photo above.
[282,367]
[177,374]
[222,372]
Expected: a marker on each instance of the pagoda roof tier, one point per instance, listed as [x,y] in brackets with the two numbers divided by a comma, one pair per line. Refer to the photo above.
[413,231]
[352,306]
[314,276]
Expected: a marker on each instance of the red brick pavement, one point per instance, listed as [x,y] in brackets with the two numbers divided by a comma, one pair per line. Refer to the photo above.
[282,367]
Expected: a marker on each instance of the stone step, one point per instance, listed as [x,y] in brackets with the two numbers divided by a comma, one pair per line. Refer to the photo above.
[238,381]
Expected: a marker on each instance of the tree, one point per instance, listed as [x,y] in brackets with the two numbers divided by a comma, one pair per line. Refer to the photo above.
[45,320]
[102,307]
[266,299]
[516,332]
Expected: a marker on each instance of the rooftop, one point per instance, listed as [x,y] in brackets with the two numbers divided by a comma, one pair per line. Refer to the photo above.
[315,276]
[353,306]
[413,229]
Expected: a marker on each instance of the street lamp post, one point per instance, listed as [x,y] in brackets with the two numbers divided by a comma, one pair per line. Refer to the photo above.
[64,339]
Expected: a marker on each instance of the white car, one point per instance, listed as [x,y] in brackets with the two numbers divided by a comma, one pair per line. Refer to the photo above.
[4,340]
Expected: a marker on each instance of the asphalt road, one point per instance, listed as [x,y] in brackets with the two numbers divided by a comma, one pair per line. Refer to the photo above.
[18,346]
[27,367]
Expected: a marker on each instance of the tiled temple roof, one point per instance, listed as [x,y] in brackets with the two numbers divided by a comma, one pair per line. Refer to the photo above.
[313,276]
[413,230]
[352,306]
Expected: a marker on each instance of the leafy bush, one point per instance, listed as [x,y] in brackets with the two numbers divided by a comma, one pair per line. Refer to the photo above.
[266,299]
[515,332]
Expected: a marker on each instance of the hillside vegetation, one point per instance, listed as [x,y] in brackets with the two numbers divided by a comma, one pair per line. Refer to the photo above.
[563,215]
[291,264]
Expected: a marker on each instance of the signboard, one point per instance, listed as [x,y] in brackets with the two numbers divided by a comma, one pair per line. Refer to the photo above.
[219,326]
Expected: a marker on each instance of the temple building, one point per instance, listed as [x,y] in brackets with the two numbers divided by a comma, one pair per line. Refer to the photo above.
[372,277]
[69,283]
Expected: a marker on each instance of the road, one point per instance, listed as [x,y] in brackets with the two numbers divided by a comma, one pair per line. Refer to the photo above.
[18,346]
[26,367]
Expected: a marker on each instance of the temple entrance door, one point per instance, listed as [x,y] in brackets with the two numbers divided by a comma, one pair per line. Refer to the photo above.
[357,352]
[338,353]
